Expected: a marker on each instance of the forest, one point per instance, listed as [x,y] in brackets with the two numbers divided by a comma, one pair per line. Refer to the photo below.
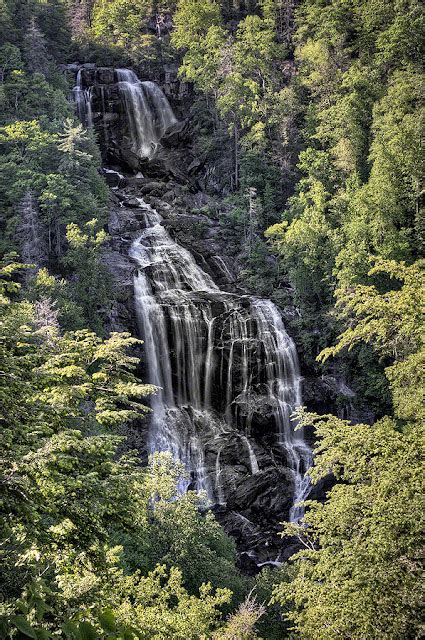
[212,335]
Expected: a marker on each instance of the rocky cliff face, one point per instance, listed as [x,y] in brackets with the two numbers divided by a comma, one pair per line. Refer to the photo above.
[250,501]
[244,465]
[99,86]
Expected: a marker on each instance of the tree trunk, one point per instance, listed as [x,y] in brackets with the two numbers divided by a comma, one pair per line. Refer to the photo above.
[236,141]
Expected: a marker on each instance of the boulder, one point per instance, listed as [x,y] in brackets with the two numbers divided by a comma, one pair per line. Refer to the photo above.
[114,179]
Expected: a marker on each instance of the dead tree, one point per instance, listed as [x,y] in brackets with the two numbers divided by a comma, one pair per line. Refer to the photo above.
[30,232]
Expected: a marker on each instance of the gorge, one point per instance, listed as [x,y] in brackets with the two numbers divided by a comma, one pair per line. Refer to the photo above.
[226,370]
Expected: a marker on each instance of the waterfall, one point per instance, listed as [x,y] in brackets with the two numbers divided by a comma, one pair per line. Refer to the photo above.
[211,354]
[83,99]
[148,112]
[223,363]
[252,457]
[284,384]
[218,486]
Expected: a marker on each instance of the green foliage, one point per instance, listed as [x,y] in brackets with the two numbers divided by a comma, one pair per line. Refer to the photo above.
[123,27]
[199,30]
[356,204]
[307,247]
[393,322]
[358,196]
[76,512]
[59,292]
[358,573]
[10,58]
[54,389]
[59,167]
[91,286]
[243,623]
[189,616]
[272,625]
[49,167]
[390,320]
[238,68]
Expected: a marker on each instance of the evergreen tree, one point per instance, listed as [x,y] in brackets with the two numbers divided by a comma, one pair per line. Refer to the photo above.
[358,574]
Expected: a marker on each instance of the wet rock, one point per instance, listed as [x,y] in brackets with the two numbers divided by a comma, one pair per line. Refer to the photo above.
[248,562]
[122,271]
[337,386]
[195,165]
[88,74]
[105,75]
[132,202]
[114,179]
[177,135]
[155,189]
[70,68]
[266,493]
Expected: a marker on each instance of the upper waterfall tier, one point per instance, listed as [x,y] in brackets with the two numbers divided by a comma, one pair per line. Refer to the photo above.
[148,111]
[131,114]
[216,358]
[83,98]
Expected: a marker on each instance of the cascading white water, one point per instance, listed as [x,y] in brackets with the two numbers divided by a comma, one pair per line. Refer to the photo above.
[148,111]
[284,383]
[252,457]
[197,337]
[167,273]
[83,101]
[214,356]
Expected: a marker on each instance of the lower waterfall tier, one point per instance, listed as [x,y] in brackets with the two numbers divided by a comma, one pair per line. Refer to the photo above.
[227,376]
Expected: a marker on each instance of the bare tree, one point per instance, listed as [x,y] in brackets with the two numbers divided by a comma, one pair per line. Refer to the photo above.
[285,23]
[252,217]
[35,49]
[241,625]
[46,319]
[80,12]
[30,232]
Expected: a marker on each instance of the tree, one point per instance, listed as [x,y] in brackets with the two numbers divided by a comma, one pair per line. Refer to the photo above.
[186,536]
[123,24]
[199,30]
[55,203]
[80,18]
[241,625]
[30,232]
[357,197]
[307,247]
[91,287]
[358,574]
[393,322]
[24,96]
[10,58]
